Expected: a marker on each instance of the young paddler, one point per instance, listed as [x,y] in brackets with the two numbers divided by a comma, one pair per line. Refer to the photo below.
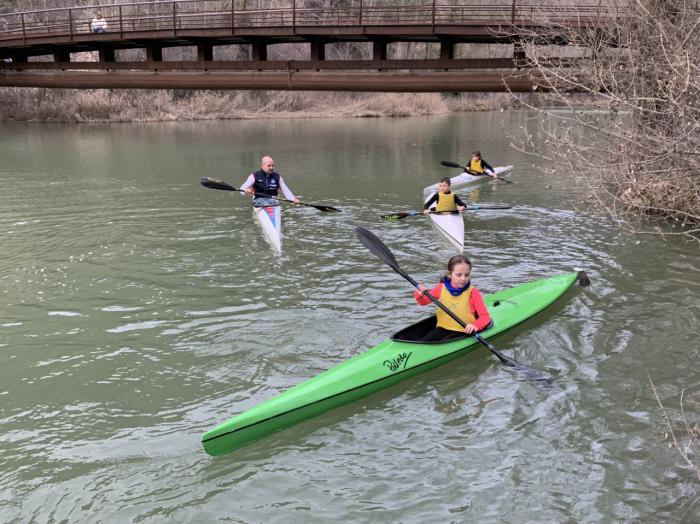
[457,293]
[479,166]
[445,200]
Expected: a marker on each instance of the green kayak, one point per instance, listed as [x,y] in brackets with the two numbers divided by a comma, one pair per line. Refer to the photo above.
[398,358]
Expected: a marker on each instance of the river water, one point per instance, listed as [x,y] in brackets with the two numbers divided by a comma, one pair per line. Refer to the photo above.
[140,309]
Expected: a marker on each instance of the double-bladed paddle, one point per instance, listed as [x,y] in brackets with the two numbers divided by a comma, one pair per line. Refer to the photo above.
[383,253]
[471,207]
[447,163]
[215,183]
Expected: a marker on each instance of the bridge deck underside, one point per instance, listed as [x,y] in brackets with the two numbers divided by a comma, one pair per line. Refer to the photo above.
[432,81]
[74,43]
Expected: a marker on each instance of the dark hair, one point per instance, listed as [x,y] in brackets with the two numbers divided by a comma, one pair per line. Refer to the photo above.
[477,153]
[446,179]
[457,259]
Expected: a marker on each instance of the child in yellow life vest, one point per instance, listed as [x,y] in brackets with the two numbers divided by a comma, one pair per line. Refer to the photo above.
[446,199]
[479,166]
[457,294]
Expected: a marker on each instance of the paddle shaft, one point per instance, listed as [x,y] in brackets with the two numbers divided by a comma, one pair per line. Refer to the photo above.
[404,214]
[468,207]
[214,183]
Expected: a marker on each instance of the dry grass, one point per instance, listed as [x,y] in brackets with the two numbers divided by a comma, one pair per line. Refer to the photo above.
[46,105]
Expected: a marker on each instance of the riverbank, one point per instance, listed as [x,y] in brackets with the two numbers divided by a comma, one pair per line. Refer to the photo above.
[93,106]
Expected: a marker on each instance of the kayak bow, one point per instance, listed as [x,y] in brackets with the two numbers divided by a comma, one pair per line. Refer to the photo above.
[391,361]
[270,219]
[449,225]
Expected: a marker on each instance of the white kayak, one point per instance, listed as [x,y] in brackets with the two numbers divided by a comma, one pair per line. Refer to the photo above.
[465,179]
[449,225]
[270,218]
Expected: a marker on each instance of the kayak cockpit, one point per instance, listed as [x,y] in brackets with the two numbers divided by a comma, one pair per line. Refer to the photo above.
[415,333]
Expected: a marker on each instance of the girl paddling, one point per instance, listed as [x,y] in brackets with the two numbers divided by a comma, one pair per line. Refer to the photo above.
[456,292]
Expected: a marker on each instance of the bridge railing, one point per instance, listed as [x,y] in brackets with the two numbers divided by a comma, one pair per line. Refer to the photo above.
[179,15]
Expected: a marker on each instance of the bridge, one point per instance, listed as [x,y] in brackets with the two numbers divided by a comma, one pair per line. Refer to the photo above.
[187,44]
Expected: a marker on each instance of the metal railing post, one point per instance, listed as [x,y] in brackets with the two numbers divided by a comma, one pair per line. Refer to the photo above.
[24,30]
[434,15]
[233,17]
[360,19]
[294,16]
[512,14]
[174,18]
[121,23]
[70,23]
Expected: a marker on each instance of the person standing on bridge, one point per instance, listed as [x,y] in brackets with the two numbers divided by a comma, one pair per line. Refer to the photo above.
[479,166]
[265,184]
[98,24]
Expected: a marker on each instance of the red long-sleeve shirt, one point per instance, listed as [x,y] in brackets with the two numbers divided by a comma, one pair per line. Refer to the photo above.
[476,305]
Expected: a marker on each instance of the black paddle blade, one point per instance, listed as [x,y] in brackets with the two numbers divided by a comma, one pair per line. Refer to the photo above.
[215,183]
[524,371]
[328,209]
[447,163]
[377,247]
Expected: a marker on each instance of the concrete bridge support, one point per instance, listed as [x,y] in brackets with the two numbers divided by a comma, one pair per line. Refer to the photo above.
[259,50]
[318,50]
[154,53]
[447,50]
[205,53]
[379,50]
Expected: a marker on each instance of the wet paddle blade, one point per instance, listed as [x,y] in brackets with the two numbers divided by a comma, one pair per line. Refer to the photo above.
[447,163]
[215,183]
[327,209]
[526,372]
[377,247]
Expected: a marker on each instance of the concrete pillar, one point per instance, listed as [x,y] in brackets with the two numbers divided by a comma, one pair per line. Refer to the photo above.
[447,50]
[154,53]
[259,51]
[318,50]
[61,56]
[379,50]
[205,53]
[519,55]
[106,54]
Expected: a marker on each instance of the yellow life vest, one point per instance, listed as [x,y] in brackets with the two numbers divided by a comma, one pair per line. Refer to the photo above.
[475,166]
[459,305]
[446,202]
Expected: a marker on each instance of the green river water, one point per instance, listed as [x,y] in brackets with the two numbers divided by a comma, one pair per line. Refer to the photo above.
[139,309]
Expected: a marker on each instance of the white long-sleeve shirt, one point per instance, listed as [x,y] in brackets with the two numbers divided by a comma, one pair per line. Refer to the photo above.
[98,23]
[285,190]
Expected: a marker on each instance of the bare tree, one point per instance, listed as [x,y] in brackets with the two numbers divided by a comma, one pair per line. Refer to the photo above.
[638,62]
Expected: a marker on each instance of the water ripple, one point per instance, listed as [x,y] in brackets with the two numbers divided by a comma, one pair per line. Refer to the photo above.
[139,309]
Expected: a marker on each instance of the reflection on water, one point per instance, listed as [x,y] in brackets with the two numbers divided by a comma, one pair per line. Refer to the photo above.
[139,309]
